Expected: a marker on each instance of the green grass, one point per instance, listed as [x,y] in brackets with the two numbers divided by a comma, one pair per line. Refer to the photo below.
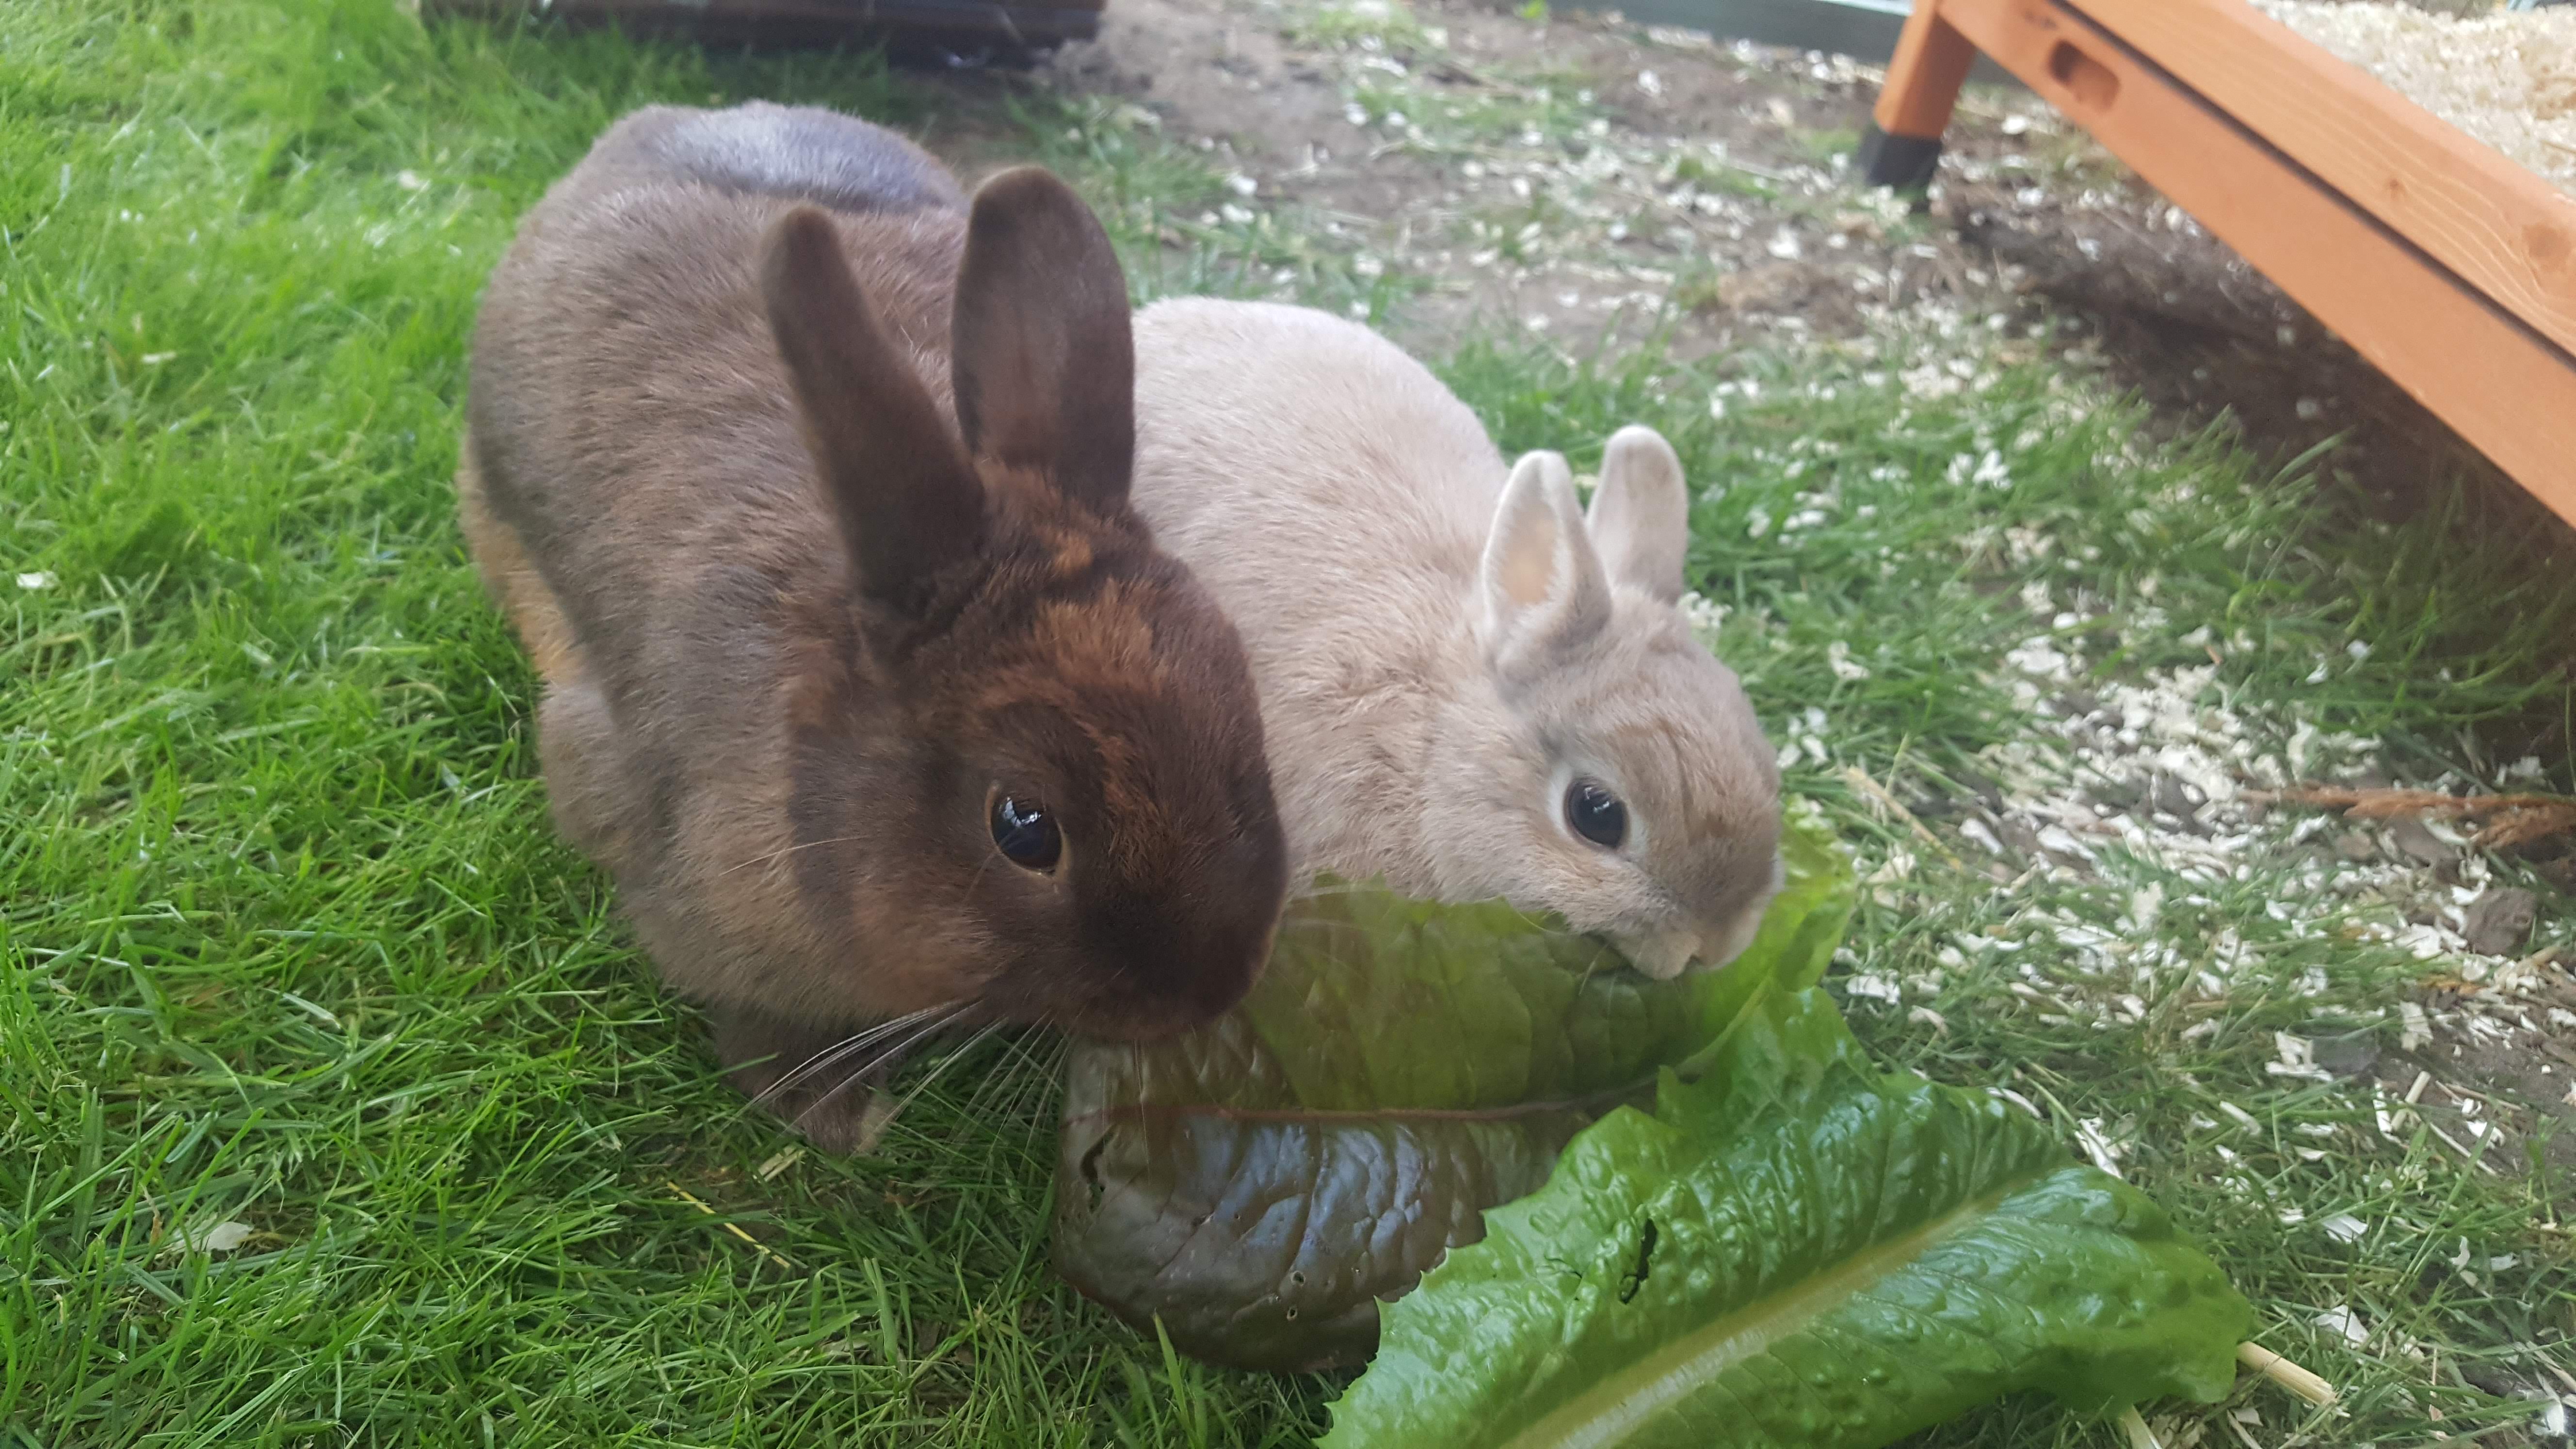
[289,945]
[1377,26]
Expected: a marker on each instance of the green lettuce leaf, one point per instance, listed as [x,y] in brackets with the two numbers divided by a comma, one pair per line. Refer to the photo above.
[1796,1250]
[1260,1185]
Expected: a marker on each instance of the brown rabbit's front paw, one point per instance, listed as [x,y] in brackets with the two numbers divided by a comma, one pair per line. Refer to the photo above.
[851,1123]
[830,1086]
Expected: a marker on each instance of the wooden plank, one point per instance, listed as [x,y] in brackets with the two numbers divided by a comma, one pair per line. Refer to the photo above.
[2498,226]
[2508,390]
[1923,77]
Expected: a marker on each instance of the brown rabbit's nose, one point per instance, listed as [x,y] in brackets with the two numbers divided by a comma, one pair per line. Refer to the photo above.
[1189,974]
[1212,981]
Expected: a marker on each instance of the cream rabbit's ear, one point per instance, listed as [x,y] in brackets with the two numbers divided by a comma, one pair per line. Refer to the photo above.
[1543,585]
[1640,516]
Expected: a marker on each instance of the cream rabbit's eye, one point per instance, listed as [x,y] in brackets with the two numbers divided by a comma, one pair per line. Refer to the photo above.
[1592,812]
[1024,831]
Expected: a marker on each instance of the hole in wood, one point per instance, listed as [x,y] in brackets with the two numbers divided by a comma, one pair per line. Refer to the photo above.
[2093,83]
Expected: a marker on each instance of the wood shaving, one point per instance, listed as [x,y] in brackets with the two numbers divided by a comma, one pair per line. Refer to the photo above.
[2507,78]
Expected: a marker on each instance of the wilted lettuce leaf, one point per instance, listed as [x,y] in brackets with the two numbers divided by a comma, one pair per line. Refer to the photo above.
[1400,1067]
[1796,1250]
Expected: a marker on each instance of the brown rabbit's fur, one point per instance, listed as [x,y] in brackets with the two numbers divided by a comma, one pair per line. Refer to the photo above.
[793,632]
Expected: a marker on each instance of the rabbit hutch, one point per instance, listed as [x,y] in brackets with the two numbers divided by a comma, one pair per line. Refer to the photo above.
[2408,178]
[2406,174]
[2447,262]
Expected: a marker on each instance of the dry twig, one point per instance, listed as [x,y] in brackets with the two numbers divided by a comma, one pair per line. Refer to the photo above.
[2511,820]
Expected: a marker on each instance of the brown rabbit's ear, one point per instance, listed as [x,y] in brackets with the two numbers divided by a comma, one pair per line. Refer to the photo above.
[1045,360]
[908,502]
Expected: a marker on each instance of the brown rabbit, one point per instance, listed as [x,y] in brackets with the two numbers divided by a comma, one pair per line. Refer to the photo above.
[806,488]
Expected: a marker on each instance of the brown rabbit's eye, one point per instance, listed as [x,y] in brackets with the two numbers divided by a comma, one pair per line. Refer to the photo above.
[1592,812]
[1025,832]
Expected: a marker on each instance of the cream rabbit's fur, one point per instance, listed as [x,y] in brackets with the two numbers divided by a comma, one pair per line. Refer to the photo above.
[1442,644]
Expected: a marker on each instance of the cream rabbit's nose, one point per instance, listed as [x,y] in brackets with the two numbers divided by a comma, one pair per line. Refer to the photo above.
[1723,947]
[1668,953]
[1662,955]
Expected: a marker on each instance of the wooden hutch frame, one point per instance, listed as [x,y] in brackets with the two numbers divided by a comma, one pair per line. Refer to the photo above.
[2448,266]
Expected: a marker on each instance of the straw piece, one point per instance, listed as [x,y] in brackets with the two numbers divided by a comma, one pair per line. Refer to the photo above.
[2287,1374]
[757,1245]
[1887,801]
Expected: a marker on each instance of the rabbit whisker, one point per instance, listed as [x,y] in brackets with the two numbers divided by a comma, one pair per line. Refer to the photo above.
[1020,1088]
[841,1050]
[944,1064]
[978,881]
[782,854]
[889,1054]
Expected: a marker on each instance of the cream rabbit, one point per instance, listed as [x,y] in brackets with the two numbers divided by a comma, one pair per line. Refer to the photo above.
[1467,686]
